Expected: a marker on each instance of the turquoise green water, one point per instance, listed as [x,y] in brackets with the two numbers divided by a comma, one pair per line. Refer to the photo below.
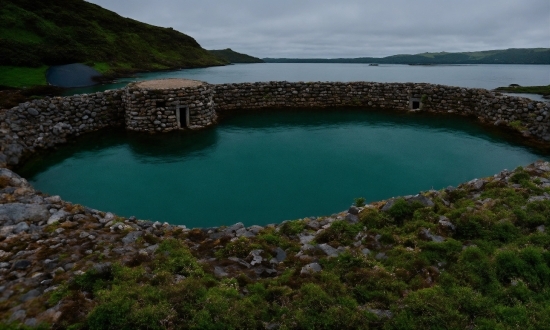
[268,167]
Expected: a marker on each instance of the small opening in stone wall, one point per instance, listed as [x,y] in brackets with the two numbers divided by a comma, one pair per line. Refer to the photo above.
[415,104]
[161,104]
[182,115]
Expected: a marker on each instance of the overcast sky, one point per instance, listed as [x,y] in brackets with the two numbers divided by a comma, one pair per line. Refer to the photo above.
[348,28]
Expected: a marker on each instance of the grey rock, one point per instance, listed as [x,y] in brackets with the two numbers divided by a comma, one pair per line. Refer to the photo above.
[6,230]
[53,199]
[220,272]
[8,190]
[30,295]
[328,250]
[178,278]
[16,212]
[272,326]
[381,256]
[255,229]
[57,216]
[366,251]
[353,210]
[541,229]
[422,200]
[281,254]
[152,249]
[4,265]
[388,204]
[103,268]
[381,313]
[21,227]
[244,233]
[18,315]
[132,237]
[270,272]
[256,257]
[352,218]
[46,282]
[218,235]
[240,262]
[536,198]
[445,223]
[21,264]
[51,288]
[427,235]
[33,111]
[305,239]
[235,227]
[311,268]
[58,270]
[313,224]
[477,184]
[32,322]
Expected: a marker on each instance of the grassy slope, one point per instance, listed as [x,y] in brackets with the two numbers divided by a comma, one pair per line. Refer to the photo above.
[234,57]
[51,32]
[22,76]
[507,56]
[492,271]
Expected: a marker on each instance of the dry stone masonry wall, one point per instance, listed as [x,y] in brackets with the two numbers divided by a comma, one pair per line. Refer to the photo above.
[165,110]
[528,116]
[41,124]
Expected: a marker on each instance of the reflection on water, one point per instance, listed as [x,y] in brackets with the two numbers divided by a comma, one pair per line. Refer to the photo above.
[266,167]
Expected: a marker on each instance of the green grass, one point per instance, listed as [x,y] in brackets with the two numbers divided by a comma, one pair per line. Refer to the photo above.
[22,77]
[102,67]
[542,90]
[491,272]
[234,57]
[50,32]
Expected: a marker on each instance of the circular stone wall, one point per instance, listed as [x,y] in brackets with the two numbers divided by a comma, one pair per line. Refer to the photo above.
[168,104]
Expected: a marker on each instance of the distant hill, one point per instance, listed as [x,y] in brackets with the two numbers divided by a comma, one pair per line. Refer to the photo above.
[36,34]
[234,57]
[507,56]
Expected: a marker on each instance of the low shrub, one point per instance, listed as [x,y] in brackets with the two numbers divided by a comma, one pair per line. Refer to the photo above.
[341,232]
[293,227]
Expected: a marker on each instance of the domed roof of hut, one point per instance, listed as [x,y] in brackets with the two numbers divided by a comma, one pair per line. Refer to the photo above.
[171,83]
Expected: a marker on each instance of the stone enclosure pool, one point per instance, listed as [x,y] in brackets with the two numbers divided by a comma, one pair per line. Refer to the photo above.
[335,142]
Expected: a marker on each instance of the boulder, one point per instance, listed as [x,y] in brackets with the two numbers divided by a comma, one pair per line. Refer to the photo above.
[427,235]
[132,237]
[311,268]
[422,200]
[15,213]
[328,250]
[57,216]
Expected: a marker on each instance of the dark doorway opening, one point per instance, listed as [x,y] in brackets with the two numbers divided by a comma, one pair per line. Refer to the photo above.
[416,105]
[183,116]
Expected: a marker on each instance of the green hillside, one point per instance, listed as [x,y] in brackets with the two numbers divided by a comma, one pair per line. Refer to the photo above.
[36,34]
[234,57]
[505,56]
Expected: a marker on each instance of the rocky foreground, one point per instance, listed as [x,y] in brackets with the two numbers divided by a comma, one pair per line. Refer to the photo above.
[465,257]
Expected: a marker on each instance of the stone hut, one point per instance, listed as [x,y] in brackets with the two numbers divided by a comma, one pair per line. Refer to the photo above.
[168,104]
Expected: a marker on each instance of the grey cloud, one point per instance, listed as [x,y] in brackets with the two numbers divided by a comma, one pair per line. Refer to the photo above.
[350,28]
